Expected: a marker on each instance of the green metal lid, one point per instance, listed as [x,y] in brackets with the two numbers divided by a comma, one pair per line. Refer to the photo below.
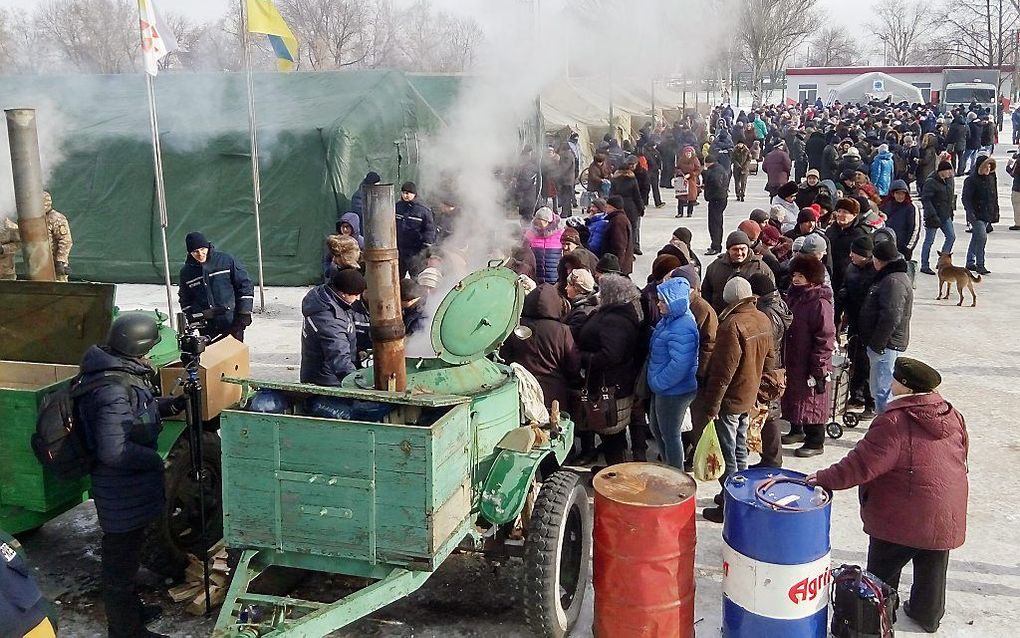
[477,315]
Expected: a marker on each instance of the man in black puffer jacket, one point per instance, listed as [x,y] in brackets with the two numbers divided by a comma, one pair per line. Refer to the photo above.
[211,278]
[122,422]
[716,179]
[416,230]
[884,319]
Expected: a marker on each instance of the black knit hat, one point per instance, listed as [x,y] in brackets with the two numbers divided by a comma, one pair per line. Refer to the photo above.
[408,187]
[806,215]
[787,189]
[194,241]
[862,246]
[609,263]
[348,281]
[762,284]
[757,215]
[683,234]
[372,178]
[616,201]
[885,251]
[916,375]
[736,238]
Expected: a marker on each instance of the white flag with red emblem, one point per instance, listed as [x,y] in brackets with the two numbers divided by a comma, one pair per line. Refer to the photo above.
[158,40]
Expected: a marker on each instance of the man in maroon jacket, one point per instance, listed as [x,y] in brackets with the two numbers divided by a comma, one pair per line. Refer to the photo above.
[619,235]
[911,467]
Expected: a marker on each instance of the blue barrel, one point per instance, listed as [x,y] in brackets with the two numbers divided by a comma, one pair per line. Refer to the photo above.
[776,564]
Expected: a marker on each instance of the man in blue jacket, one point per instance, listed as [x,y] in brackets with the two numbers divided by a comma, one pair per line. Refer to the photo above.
[22,606]
[122,422]
[416,230]
[212,278]
[329,342]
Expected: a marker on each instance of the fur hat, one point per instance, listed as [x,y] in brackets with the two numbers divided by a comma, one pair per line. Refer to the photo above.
[787,189]
[812,269]
[916,375]
[582,280]
[690,273]
[662,266]
[736,238]
[750,228]
[885,251]
[762,284]
[570,235]
[345,250]
[614,288]
[862,246]
[737,289]
[849,205]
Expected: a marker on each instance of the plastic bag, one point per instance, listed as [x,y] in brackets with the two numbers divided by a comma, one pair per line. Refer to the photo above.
[329,408]
[269,401]
[708,457]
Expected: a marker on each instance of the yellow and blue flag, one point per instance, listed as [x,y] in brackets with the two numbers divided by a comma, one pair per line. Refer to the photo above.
[264,18]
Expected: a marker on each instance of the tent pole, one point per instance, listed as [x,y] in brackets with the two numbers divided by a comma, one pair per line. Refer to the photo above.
[253,134]
[157,159]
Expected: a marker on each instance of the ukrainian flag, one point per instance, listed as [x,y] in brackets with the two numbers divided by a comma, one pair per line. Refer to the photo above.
[264,18]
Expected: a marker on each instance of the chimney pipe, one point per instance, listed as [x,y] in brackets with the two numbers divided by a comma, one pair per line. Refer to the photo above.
[382,272]
[28,194]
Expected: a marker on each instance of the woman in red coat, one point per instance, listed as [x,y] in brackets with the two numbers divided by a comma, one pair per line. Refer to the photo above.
[808,356]
[688,168]
[911,467]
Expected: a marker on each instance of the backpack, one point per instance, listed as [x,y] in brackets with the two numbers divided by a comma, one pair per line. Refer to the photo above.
[597,226]
[862,605]
[60,441]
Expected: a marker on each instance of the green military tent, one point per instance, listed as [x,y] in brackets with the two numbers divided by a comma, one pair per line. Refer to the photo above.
[319,133]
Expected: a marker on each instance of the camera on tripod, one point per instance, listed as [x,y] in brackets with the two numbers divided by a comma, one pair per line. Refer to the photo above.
[190,339]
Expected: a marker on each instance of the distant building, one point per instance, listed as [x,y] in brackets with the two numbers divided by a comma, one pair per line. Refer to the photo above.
[808,83]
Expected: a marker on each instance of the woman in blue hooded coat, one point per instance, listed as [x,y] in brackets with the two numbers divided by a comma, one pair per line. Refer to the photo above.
[882,170]
[672,364]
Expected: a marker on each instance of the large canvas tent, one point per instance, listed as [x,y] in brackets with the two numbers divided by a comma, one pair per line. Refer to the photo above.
[875,86]
[319,134]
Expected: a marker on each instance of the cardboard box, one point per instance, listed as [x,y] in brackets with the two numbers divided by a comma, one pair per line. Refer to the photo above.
[226,357]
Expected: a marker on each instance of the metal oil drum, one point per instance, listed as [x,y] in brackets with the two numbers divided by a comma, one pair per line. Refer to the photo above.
[644,543]
[776,563]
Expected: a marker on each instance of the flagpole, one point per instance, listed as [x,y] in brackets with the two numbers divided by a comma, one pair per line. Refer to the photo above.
[253,134]
[157,162]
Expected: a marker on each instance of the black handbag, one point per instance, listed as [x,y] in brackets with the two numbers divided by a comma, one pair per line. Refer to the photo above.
[599,410]
[862,605]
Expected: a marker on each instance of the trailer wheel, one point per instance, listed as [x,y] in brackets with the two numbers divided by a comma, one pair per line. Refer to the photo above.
[177,532]
[557,556]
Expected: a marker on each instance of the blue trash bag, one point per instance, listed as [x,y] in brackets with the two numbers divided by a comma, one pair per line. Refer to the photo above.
[330,408]
[370,411]
[269,402]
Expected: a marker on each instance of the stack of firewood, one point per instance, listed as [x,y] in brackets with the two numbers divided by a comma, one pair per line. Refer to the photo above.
[193,589]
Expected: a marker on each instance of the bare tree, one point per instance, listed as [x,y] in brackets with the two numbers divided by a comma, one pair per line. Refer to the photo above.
[832,46]
[333,33]
[187,32]
[435,41]
[769,32]
[979,32]
[905,28]
[99,36]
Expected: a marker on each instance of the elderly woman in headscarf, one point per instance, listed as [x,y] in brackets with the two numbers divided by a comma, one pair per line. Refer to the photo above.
[688,168]
[608,343]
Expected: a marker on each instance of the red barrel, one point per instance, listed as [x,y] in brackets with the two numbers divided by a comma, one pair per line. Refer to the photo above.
[644,551]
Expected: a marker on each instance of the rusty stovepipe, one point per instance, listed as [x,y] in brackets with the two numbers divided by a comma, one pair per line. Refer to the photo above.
[28,194]
[382,272]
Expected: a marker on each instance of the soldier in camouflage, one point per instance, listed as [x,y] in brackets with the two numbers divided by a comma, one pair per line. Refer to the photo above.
[60,238]
[10,244]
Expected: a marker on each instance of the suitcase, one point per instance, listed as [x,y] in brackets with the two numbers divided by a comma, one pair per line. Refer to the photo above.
[862,605]
[752,168]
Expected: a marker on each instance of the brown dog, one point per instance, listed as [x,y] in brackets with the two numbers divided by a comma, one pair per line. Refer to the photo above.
[948,273]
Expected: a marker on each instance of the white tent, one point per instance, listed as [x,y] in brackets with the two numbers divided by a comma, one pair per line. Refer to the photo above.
[875,86]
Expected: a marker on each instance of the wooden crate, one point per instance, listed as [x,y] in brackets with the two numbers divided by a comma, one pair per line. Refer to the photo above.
[23,481]
[373,492]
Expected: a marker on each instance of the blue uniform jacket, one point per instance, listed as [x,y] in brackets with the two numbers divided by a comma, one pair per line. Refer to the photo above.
[329,343]
[220,281]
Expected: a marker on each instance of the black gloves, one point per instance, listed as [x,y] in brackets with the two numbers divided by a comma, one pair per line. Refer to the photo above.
[820,384]
[242,320]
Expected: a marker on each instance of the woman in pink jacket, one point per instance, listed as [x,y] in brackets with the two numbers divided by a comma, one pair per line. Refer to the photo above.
[911,467]
[544,238]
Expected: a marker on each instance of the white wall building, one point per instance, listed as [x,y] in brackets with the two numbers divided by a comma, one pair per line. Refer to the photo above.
[808,83]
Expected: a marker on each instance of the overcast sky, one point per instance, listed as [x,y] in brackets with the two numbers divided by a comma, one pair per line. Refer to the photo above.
[849,15]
